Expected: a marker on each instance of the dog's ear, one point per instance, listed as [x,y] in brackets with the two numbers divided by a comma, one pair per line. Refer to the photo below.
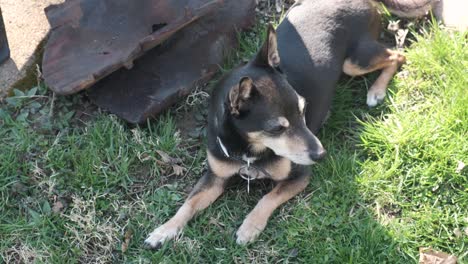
[240,94]
[268,54]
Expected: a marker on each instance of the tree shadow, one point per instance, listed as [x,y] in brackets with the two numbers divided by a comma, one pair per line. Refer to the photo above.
[343,225]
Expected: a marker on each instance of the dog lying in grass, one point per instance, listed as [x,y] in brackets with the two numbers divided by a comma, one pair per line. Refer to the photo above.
[263,115]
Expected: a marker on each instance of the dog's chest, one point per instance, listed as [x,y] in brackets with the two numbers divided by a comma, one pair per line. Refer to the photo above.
[276,170]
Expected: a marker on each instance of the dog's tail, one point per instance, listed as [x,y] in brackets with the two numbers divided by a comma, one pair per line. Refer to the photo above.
[408,8]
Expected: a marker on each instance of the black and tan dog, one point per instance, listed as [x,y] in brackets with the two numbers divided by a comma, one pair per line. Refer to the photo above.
[259,125]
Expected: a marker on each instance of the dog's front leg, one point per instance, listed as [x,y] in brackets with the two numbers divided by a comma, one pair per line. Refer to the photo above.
[256,221]
[205,192]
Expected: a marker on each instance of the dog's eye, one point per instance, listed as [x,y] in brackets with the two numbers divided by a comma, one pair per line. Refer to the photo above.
[275,130]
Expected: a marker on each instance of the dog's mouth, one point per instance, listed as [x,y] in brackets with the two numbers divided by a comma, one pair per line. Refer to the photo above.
[303,158]
[303,148]
[300,159]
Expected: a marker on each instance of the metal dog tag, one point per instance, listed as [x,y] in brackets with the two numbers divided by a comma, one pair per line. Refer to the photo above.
[246,173]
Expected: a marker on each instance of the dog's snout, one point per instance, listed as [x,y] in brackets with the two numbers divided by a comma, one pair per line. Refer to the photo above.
[318,154]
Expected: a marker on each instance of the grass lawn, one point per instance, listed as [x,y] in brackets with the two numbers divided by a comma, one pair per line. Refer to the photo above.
[80,185]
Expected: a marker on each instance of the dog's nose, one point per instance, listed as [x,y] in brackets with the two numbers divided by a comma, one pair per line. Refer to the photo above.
[317,155]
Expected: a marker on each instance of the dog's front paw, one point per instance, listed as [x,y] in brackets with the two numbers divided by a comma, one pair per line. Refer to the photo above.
[249,231]
[375,96]
[160,235]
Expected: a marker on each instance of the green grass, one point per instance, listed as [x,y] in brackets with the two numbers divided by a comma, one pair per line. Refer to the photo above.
[390,183]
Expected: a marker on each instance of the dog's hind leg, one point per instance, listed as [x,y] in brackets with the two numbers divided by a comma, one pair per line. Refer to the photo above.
[205,192]
[369,56]
[256,220]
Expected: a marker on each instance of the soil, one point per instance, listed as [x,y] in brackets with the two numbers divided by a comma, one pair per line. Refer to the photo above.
[26,26]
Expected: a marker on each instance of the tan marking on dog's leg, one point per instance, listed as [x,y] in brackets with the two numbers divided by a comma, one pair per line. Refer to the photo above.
[378,89]
[352,69]
[256,221]
[201,197]
[384,60]
[389,61]
[220,168]
[280,169]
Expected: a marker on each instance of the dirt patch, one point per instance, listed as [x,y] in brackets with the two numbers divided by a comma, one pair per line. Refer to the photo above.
[26,26]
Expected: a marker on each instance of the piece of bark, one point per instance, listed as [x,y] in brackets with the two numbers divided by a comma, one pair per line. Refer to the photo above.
[170,71]
[90,39]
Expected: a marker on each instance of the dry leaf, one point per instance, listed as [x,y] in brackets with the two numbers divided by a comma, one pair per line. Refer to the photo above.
[214,221]
[400,37]
[57,207]
[393,25]
[458,233]
[279,5]
[293,252]
[178,170]
[430,256]
[164,157]
[127,237]
[168,159]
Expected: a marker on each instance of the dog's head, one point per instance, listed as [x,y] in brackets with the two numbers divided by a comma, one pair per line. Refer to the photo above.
[268,112]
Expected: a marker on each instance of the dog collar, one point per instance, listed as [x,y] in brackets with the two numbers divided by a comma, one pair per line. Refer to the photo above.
[223,148]
[227,155]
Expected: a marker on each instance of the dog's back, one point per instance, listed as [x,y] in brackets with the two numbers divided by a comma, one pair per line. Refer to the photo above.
[314,40]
